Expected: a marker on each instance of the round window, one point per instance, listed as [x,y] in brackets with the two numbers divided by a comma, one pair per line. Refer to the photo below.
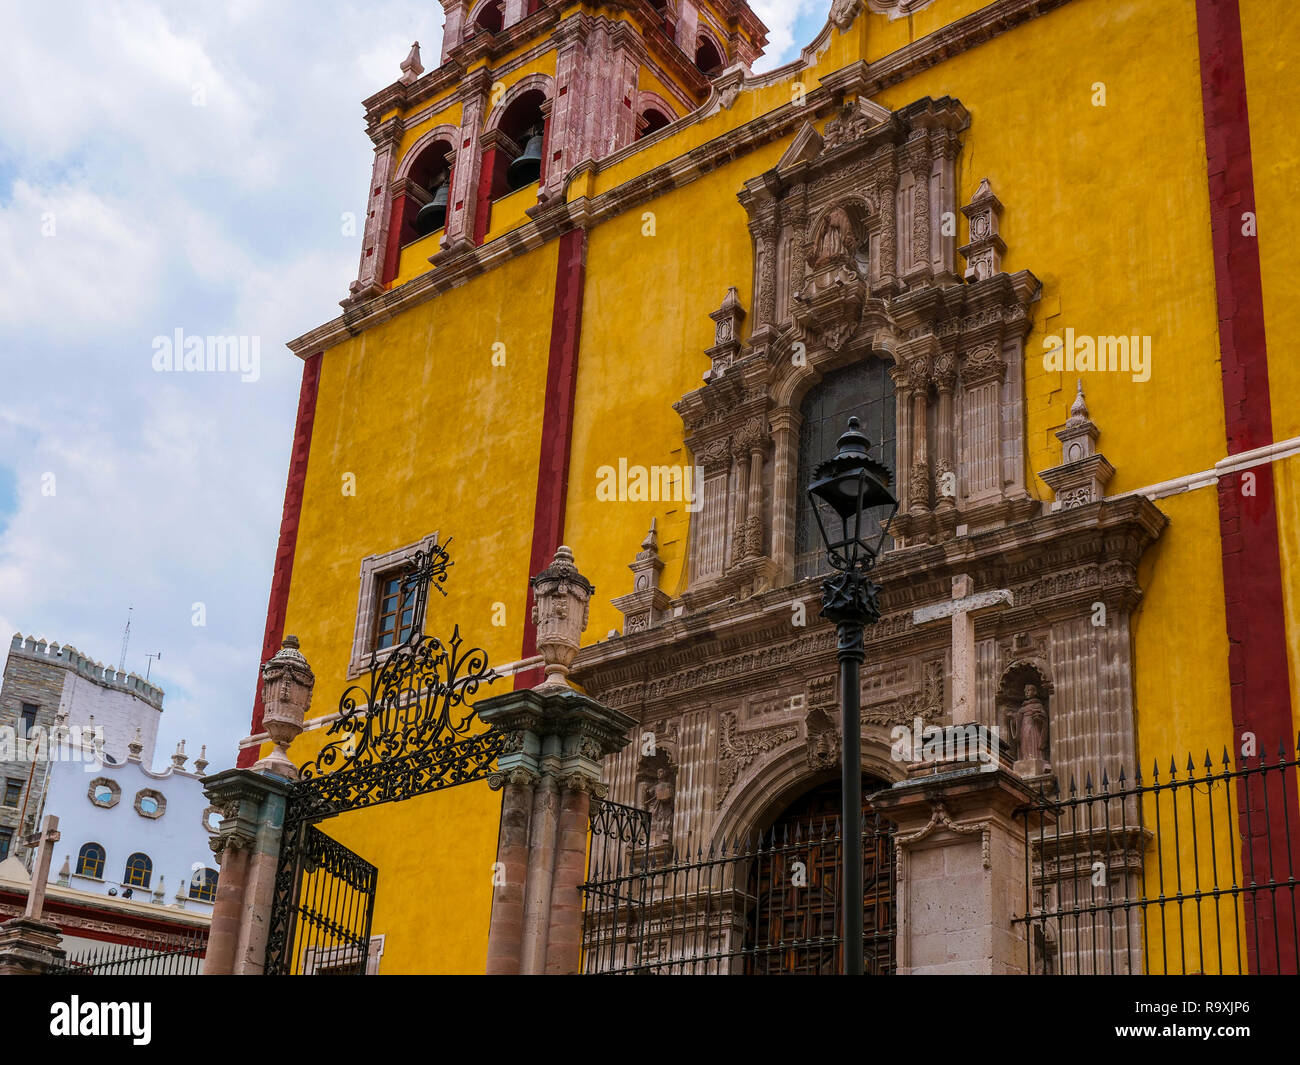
[103,793]
[148,804]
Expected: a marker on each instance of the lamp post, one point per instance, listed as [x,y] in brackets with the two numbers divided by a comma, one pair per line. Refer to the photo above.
[844,489]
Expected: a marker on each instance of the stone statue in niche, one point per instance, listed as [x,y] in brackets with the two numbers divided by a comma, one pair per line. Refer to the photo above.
[1028,725]
[660,801]
[837,241]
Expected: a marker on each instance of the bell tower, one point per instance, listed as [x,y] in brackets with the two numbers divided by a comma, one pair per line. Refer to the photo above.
[525,91]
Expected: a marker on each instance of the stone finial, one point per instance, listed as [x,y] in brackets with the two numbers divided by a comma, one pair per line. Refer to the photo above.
[1083,474]
[411,66]
[201,762]
[65,871]
[648,603]
[287,682]
[179,758]
[561,602]
[135,747]
[726,334]
[159,891]
[180,895]
[983,253]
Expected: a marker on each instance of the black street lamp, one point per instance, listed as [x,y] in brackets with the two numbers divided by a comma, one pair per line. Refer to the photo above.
[845,489]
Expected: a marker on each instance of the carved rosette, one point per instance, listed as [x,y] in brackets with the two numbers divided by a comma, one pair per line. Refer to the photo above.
[561,601]
[982,365]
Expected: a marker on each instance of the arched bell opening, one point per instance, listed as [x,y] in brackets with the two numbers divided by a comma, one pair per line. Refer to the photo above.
[425,210]
[522,134]
[708,58]
[793,919]
[490,18]
[651,120]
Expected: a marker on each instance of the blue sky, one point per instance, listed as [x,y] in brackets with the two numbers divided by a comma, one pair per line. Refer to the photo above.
[171,166]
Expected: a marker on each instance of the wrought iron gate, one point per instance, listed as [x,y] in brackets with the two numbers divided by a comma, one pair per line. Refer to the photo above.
[332,907]
[407,729]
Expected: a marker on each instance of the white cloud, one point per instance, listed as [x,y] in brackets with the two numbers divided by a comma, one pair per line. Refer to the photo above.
[781,17]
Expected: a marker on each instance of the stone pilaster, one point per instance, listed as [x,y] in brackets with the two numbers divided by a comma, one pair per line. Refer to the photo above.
[558,738]
[247,846]
[960,858]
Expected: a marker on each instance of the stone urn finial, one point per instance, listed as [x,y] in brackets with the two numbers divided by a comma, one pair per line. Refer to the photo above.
[287,681]
[561,598]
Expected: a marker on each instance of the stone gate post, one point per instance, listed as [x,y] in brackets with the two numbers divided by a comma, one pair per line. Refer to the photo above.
[549,773]
[960,857]
[253,803]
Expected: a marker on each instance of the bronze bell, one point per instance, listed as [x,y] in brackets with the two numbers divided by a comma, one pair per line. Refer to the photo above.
[433,215]
[527,169]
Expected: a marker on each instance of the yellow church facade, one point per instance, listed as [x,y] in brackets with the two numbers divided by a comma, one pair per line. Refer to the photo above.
[617,291]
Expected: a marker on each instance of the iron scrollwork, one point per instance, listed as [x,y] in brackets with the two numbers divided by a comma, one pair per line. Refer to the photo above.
[406,729]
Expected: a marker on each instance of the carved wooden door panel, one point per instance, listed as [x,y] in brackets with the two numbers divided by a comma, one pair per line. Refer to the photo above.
[793,920]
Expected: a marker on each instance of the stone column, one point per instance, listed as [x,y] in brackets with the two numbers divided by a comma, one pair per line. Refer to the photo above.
[787,497]
[549,770]
[754,517]
[379,212]
[462,199]
[247,846]
[253,802]
[960,856]
[740,499]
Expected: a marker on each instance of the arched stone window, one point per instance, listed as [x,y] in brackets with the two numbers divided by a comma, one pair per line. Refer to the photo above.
[90,861]
[490,17]
[520,125]
[651,120]
[203,885]
[865,390]
[139,871]
[429,183]
[708,57]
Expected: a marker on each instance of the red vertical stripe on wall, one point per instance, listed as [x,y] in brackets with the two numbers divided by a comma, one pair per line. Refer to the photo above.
[284,552]
[483,209]
[557,425]
[1252,569]
[393,253]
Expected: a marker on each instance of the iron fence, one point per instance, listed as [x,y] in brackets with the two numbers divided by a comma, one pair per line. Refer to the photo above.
[764,905]
[1190,870]
[151,954]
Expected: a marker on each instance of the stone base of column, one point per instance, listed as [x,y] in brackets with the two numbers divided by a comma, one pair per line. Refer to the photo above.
[29,948]
[960,857]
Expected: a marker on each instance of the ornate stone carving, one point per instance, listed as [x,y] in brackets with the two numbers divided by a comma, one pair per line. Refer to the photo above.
[823,739]
[726,334]
[561,600]
[983,253]
[737,750]
[1084,473]
[982,365]
[843,12]
[287,682]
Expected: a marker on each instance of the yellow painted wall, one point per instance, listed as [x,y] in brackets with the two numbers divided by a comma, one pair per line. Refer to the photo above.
[1113,220]
[417,412]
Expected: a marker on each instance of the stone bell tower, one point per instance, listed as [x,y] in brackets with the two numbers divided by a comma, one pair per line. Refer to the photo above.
[527,91]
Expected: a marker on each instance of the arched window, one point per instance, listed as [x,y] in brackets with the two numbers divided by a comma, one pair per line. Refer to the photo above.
[708,60]
[652,119]
[203,885]
[490,17]
[139,870]
[525,125]
[864,390]
[425,208]
[90,861]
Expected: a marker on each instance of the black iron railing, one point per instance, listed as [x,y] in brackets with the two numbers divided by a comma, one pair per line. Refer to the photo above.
[1190,870]
[156,954]
[764,905]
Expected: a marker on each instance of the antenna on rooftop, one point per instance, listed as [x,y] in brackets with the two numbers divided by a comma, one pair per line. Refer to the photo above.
[151,656]
[126,638]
